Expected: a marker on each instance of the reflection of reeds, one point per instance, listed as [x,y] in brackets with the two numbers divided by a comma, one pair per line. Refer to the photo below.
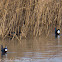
[29,17]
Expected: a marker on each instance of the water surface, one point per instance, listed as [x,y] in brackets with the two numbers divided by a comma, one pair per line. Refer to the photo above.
[33,50]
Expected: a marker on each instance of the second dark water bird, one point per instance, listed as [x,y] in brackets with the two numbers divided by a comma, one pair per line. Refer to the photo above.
[4,50]
[57,32]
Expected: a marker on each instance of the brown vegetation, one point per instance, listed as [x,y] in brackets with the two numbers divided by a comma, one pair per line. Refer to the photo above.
[22,18]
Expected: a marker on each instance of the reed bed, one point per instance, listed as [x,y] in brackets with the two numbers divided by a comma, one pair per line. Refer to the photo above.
[24,18]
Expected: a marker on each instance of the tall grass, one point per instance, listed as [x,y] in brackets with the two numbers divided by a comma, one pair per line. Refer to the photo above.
[29,17]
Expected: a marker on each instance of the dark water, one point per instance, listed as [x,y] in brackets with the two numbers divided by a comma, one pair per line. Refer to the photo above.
[33,50]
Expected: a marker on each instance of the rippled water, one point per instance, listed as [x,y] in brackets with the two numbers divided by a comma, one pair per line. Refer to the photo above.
[33,50]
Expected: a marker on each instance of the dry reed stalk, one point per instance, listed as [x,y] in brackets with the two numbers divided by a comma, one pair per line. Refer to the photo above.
[10,26]
[26,17]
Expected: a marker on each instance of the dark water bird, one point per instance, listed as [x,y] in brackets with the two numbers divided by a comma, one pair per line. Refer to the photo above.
[3,50]
[57,32]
